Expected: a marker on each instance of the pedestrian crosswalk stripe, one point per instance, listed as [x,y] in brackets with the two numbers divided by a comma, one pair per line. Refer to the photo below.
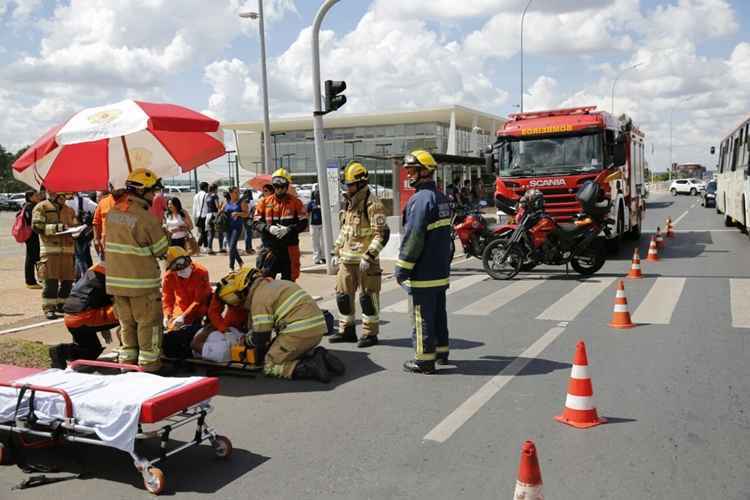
[501,297]
[455,287]
[659,304]
[572,303]
[388,286]
[739,291]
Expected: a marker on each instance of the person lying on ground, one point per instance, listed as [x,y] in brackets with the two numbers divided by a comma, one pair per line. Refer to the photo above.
[283,308]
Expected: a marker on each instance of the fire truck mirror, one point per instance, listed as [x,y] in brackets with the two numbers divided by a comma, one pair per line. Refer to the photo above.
[619,153]
[489,162]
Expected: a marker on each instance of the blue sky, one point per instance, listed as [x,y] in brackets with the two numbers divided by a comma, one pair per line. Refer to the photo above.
[60,56]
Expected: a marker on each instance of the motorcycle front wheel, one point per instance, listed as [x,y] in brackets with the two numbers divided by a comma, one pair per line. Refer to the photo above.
[589,260]
[500,268]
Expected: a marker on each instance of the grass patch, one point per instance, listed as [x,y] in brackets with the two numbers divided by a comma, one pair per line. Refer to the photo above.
[24,353]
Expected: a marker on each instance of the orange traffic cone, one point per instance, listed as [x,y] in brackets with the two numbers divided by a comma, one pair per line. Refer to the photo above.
[620,314]
[653,254]
[529,482]
[635,268]
[579,406]
[659,239]
[670,229]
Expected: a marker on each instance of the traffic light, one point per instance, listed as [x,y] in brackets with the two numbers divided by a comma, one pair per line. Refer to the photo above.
[334,97]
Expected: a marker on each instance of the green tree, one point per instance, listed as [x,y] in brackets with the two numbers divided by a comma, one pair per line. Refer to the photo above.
[7,182]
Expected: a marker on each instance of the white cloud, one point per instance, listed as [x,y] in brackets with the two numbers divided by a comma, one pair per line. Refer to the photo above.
[543,94]
[450,9]
[235,94]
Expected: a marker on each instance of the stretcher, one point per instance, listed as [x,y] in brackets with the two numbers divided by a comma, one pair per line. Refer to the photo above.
[159,416]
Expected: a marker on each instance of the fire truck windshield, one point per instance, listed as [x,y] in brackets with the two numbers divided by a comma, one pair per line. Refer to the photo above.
[550,155]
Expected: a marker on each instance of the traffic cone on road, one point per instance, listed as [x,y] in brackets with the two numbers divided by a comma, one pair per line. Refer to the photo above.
[659,239]
[529,482]
[653,253]
[670,229]
[620,314]
[635,268]
[579,405]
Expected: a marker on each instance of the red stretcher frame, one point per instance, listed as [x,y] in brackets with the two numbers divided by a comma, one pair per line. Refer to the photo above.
[168,411]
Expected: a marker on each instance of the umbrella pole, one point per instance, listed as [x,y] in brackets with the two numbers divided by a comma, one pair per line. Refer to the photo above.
[127,155]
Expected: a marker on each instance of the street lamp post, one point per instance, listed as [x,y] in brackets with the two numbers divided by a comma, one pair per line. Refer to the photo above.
[614,82]
[671,111]
[523,16]
[287,156]
[383,149]
[276,148]
[264,77]
[353,142]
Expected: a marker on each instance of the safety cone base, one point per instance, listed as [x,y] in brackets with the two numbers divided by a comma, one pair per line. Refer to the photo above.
[621,326]
[581,425]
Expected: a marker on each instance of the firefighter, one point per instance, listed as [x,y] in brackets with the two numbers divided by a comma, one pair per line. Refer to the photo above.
[279,218]
[57,262]
[185,293]
[134,242]
[88,310]
[423,265]
[363,235]
[283,307]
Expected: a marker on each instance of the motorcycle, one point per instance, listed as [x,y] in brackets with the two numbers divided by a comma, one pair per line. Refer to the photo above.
[472,230]
[537,238]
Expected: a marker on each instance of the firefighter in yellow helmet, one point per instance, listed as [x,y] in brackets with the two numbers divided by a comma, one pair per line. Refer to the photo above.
[282,307]
[423,266]
[135,240]
[56,265]
[363,235]
[279,219]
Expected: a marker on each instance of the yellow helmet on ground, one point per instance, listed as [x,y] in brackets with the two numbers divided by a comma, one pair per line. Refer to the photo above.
[281,176]
[420,158]
[231,287]
[177,258]
[355,172]
[143,178]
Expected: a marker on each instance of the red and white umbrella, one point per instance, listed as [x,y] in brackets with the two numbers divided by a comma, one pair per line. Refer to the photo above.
[99,146]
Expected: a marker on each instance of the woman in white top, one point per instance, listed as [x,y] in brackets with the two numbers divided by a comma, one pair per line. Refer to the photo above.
[177,223]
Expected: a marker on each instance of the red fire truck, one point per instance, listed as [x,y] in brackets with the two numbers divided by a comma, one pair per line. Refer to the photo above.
[556,151]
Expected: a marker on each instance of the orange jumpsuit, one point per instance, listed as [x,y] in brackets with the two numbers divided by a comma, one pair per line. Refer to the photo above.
[280,255]
[235,316]
[186,297]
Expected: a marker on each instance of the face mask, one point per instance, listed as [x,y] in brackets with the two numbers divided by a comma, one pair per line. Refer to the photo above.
[185,273]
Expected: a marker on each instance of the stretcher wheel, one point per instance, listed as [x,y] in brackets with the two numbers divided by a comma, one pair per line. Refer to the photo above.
[222,447]
[155,482]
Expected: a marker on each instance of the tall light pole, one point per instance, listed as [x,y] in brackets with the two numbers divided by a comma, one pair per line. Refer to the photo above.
[614,82]
[671,110]
[523,16]
[320,157]
[264,77]
[354,143]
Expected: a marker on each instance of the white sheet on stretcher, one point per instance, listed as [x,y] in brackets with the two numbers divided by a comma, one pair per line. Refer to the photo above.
[111,404]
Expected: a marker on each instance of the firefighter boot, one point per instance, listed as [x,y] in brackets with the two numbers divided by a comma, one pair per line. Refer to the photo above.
[442,358]
[312,368]
[415,366]
[333,364]
[349,335]
[367,341]
[60,354]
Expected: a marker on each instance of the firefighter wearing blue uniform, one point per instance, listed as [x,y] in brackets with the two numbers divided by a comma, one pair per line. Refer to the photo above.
[423,266]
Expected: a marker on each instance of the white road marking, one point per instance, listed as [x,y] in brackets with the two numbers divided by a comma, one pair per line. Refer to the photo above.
[498,299]
[445,429]
[678,219]
[456,286]
[658,305]
[575,301]
[388,286]
[693,230]
[739,291]
[29,327]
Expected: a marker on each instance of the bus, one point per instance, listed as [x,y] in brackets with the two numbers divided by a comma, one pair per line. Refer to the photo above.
[733,178]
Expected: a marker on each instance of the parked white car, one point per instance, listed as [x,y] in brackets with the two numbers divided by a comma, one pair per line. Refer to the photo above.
[686,186]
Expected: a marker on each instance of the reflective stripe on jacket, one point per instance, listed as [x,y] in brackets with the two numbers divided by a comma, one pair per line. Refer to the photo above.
[134,241]
[282,306]
[424,258]
[48,218]
[362,228]
[286,211]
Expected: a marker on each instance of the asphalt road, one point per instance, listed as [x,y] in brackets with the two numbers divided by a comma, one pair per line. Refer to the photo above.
[675,390]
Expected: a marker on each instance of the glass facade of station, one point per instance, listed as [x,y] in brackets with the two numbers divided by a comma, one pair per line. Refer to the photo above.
[295,150]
